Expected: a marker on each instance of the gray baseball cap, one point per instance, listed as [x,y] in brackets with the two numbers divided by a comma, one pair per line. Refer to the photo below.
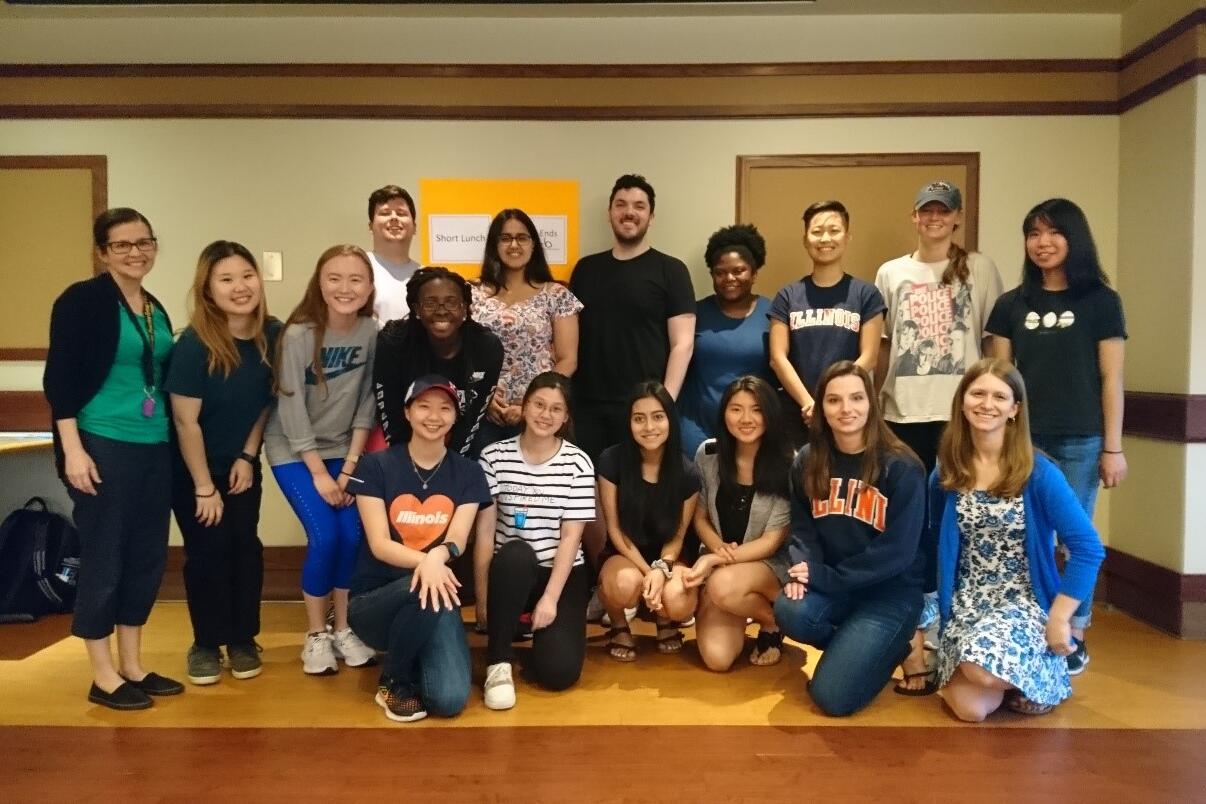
[941,191]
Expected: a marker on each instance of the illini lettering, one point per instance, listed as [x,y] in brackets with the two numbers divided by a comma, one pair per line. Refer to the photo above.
[860,501]
[826,317]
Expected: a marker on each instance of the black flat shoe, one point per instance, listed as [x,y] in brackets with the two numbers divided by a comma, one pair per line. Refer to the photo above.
[124,698]
[155,684]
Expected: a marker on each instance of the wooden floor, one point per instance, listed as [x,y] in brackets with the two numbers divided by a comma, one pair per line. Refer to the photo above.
[662,728]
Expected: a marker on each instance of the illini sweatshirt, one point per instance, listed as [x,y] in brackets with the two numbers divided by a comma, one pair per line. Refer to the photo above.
[308,417]
[859,536]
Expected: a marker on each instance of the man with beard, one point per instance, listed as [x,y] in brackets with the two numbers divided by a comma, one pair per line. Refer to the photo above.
[391,212]
[638,322]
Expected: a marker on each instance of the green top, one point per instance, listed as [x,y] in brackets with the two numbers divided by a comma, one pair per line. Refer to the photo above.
[116,410]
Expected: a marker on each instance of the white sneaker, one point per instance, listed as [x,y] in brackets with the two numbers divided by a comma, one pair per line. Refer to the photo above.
[347,646]
[318,655]
[628,615]
[499,688]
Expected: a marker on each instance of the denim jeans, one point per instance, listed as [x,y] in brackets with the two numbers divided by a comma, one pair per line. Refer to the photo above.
[864,635]
[426,650]
[1077,457]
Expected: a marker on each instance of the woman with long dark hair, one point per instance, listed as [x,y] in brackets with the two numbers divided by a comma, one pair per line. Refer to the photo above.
[109,345]
[1065,331]
[648,491]
[535,318]
[220,383]
[995,503]
[858,508]
[439,337]
[742,523]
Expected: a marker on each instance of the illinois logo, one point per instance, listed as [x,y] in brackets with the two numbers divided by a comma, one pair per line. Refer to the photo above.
[420,524]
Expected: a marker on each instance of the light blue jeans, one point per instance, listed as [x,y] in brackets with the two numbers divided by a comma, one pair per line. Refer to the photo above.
[1077,457]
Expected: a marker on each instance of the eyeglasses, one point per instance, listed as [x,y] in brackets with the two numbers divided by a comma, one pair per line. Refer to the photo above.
[145,245]
[435,305]
[520,239]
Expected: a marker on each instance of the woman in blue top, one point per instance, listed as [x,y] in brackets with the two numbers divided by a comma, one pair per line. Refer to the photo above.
[825,317]
[730,331]
[995,502]
[109,343]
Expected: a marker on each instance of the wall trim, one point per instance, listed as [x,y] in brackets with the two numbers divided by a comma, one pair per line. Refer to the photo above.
[1191,20]
[1180,418]
[22,411]
[282,573]
[1154,594]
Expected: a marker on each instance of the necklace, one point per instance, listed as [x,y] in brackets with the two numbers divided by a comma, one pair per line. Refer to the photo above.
[425,481]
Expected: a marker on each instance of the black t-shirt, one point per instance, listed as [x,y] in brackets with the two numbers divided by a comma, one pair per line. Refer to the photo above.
[1054,337]
[418,517]
[733,509]
[229,405]
[622,336]
[608,466]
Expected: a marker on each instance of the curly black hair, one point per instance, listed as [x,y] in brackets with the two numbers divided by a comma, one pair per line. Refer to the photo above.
[744,238]
[428,273]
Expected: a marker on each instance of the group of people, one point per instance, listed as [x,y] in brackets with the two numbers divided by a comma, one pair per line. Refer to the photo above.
[606,447]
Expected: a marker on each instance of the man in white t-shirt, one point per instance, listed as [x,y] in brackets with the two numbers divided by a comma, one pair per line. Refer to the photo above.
[391,212]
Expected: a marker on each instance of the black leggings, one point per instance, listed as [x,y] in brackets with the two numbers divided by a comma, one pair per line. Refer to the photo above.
[516,582]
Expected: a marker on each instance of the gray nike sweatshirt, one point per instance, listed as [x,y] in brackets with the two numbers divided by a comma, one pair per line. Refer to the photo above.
[322,419]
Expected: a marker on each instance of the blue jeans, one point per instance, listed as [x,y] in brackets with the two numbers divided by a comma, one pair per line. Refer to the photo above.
[426,650]
[1077,457]
[864,635]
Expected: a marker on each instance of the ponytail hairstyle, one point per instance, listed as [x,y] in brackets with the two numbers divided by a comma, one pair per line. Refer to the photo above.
[956,468]
[1082,267]
[772,463]
[312,310]
[209,322]
[956,269]
[558,382]
[880,441]
[657,511]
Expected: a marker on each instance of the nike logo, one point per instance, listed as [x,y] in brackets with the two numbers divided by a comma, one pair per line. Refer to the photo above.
[331,373]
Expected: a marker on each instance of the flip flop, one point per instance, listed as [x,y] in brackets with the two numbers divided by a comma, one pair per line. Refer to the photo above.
[929,688]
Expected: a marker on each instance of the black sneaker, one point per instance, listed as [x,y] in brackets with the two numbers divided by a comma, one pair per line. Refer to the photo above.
[1079,658]
[125,698]
[155,684]
[204,665]
[400,705]
[245,660]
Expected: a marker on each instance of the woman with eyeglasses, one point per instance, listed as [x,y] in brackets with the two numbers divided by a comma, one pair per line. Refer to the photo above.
[439,337]
[109,345]
[535,318]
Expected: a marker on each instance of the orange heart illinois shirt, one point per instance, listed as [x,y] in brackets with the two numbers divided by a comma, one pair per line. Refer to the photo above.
[421,525]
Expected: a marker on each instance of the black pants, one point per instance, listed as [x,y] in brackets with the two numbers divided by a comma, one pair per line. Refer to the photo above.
[598,425]
[923,438]
[123,535]
[516,583]
[223,564]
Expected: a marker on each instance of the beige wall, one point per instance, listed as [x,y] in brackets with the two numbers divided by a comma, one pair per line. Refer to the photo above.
[200,180]
[1145,18]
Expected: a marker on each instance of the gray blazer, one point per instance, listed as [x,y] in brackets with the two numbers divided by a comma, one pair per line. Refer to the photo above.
[767,511]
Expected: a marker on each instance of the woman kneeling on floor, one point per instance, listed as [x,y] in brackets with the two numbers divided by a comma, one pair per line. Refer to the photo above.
[648,490]
[528,554]
[857,514]
[418,501]
[742,523]
[1006,611]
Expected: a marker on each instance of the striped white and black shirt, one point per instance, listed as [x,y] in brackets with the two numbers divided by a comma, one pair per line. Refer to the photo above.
[532,500]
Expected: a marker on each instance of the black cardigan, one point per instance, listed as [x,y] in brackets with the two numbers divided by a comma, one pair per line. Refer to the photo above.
[83,345]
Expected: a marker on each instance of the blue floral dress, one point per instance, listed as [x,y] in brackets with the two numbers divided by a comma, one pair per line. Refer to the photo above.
[996,622]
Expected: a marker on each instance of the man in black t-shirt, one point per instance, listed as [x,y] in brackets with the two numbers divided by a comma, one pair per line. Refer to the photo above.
[638,322]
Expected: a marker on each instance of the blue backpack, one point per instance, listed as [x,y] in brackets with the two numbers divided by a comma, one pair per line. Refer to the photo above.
[39,562]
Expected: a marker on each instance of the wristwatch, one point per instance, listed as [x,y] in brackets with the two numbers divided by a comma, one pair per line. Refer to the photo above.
[660,564]
[453,550]
[254,460]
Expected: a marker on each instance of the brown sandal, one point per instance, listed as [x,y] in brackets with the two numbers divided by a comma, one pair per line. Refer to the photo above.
[1024,706]
[621,651]
[669,638]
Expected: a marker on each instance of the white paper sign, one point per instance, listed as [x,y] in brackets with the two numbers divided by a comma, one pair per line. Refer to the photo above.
[553,235]
[457,239]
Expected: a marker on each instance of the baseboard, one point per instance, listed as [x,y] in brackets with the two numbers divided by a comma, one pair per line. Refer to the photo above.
[1163,598]
[282,573]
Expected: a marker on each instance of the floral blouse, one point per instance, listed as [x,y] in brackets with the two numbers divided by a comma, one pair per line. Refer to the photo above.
[526,332]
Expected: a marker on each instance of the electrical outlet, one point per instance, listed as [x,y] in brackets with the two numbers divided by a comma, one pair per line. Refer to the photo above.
[273,266]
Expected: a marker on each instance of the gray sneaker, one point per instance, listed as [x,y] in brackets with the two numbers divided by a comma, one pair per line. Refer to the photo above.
[204,665]
[245,660]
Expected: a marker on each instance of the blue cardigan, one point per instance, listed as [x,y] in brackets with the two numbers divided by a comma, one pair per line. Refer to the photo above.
[1050,506]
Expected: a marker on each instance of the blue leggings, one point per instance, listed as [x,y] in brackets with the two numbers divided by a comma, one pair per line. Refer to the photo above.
[333,533]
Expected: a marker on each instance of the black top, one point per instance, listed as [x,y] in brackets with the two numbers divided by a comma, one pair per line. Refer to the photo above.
[860,536]
[622,337]
[229,405]
[733,509]
[608,466]
[404,354]
[83,344]
[1054,336]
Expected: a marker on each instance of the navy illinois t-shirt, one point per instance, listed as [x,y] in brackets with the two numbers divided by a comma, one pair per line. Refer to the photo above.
[824,322]
[418,517]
